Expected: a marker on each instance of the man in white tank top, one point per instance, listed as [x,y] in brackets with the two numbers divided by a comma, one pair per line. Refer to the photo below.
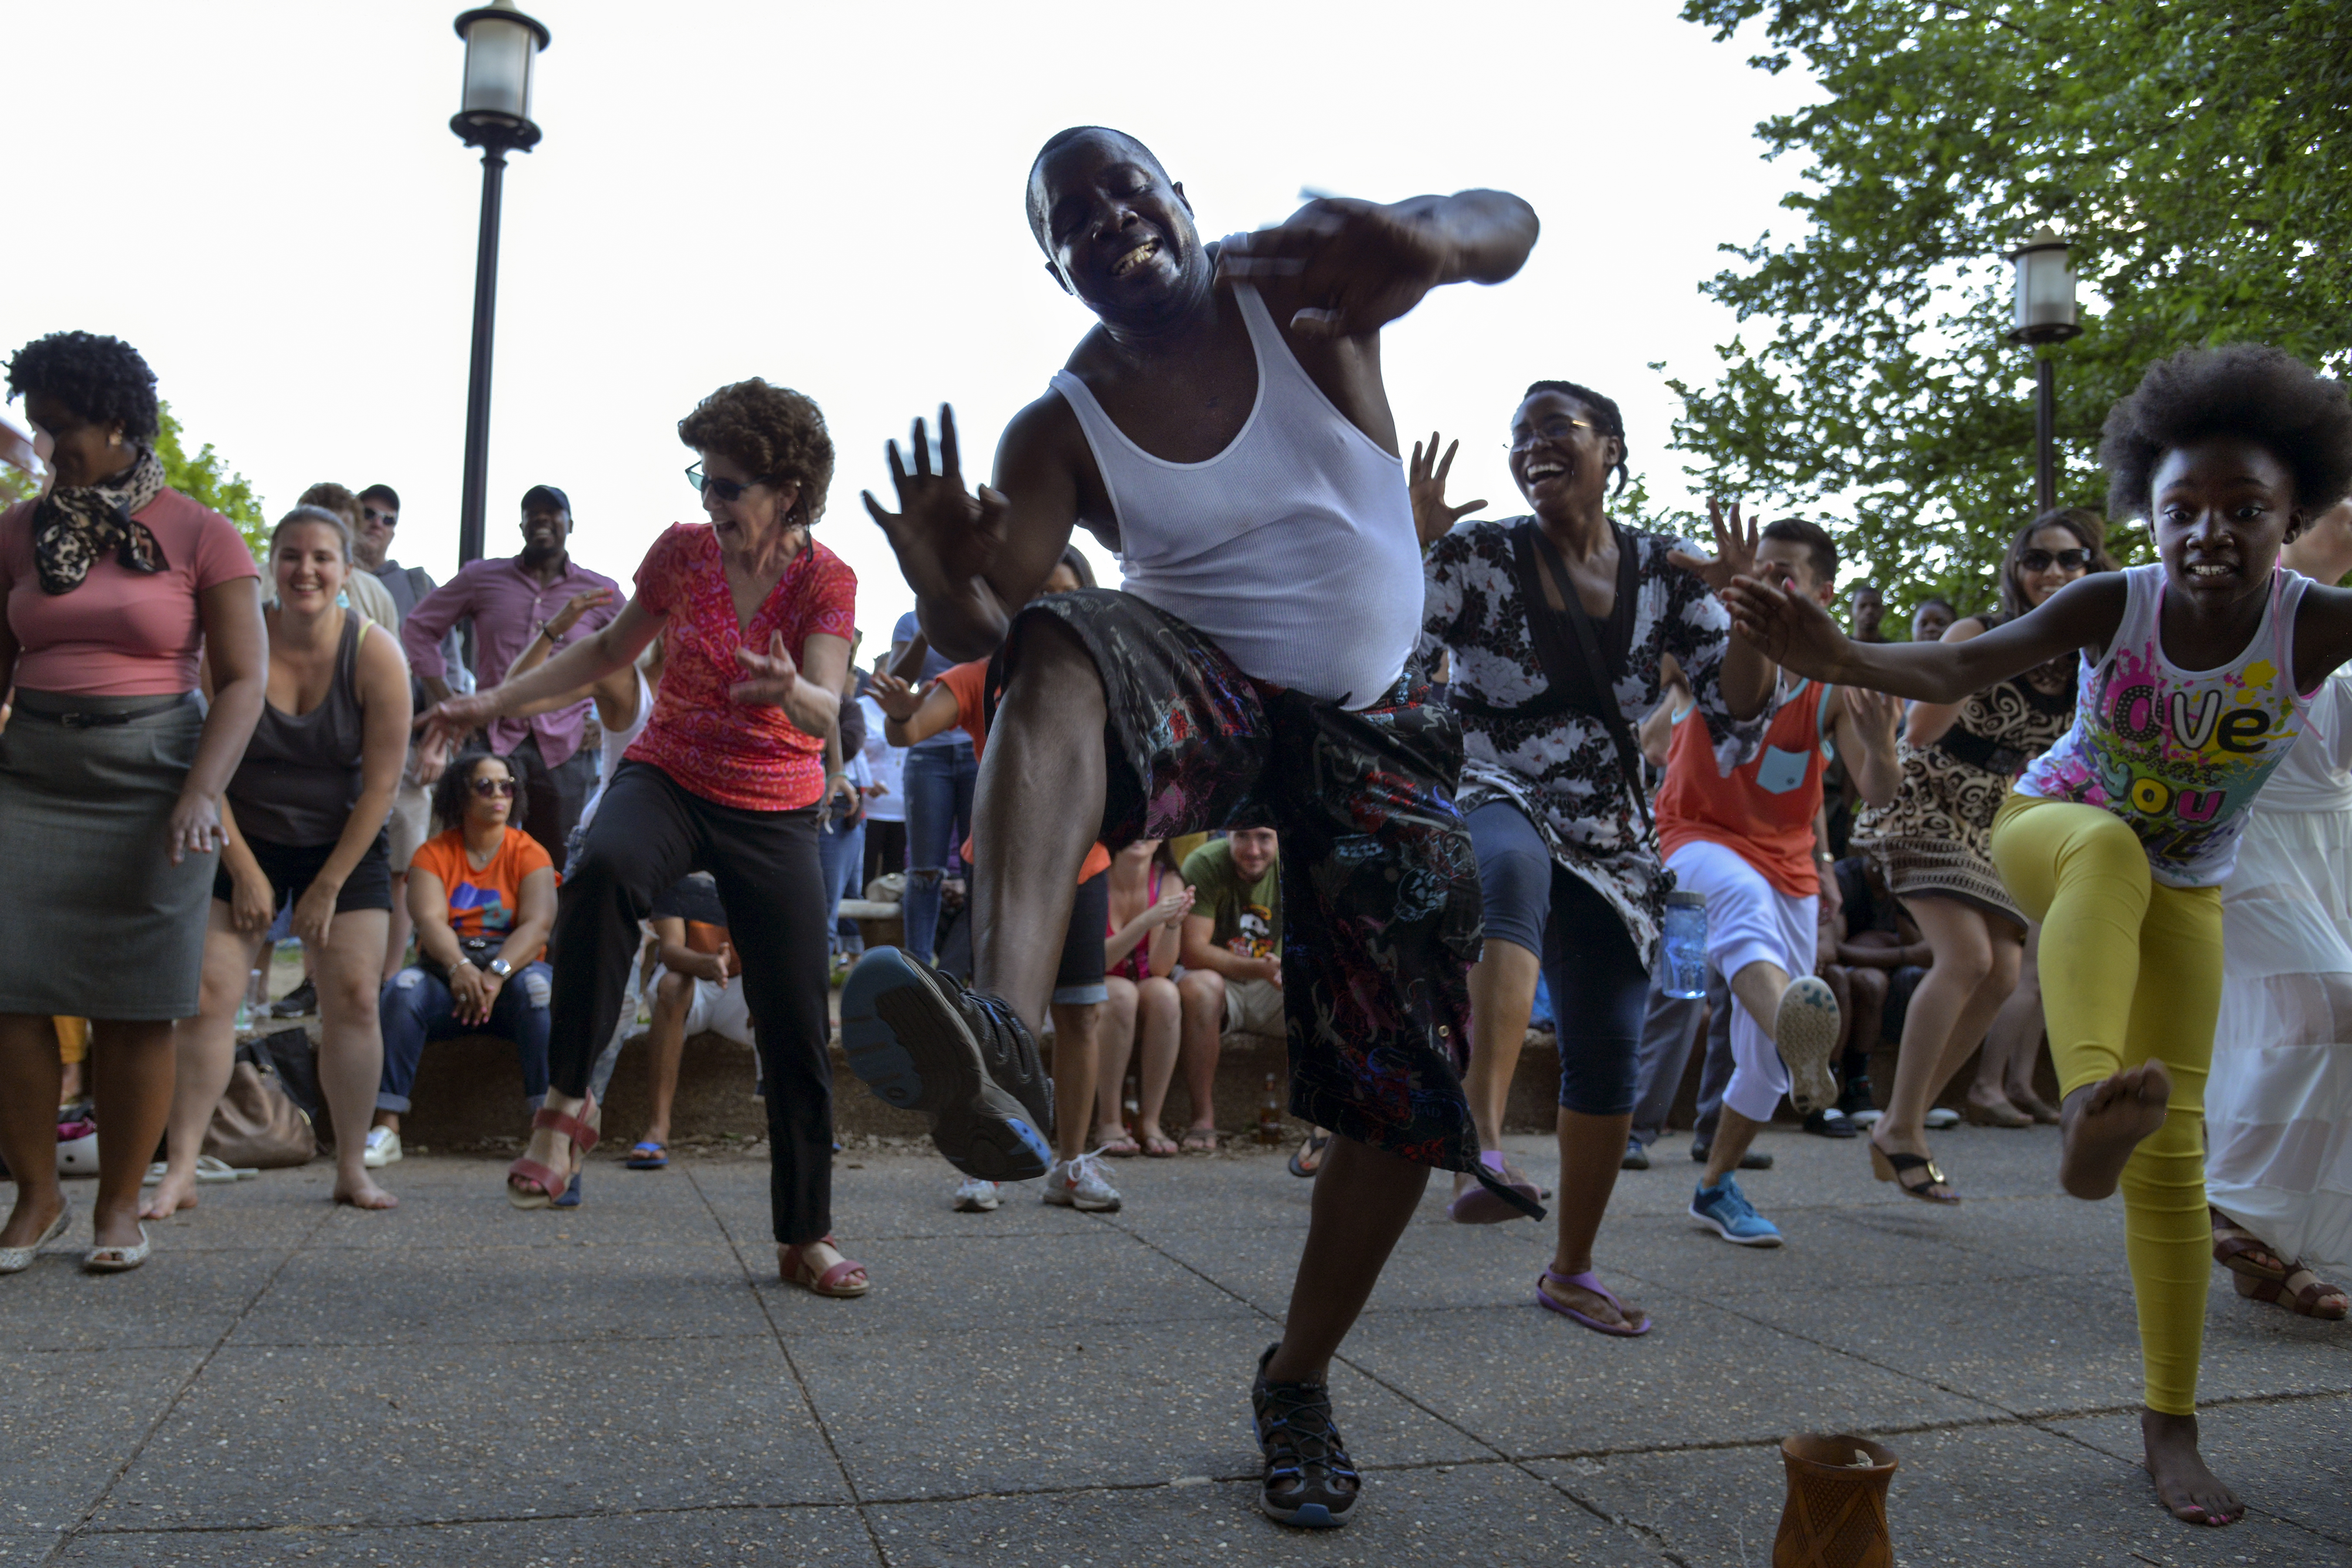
[1225,428]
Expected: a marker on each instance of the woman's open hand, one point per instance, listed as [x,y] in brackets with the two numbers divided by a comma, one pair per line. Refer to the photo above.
[195,827]
[1735,549]
[896,697]
[774,674]
[1425,480]
[444,726]
[1786,626]
[314,913]
[579,604]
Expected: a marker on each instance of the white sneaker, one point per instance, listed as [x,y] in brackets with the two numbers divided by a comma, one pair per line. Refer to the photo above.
[1941,1116]
[973,1195]
[382,1148]
[1082,1184]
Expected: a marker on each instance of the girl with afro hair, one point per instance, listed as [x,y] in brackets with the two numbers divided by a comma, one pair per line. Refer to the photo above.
[2198,671]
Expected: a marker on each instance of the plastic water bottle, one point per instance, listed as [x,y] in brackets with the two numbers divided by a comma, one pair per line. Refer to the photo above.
[254,1006]
[1683,938]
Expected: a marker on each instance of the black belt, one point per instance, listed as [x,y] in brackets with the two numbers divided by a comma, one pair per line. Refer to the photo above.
[93,718]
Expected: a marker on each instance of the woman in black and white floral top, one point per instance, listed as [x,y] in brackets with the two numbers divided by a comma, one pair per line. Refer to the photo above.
[1552,811]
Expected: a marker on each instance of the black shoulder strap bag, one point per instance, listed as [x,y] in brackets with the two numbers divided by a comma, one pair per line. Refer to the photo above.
[1551,639]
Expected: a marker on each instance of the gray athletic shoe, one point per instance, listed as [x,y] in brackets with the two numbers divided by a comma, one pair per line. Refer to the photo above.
[924,1043]
[1805,1028]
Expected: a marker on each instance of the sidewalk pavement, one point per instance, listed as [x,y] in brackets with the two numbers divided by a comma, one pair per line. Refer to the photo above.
[627,1383]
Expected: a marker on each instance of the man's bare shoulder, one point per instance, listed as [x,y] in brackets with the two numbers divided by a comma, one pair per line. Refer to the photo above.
[1045,430]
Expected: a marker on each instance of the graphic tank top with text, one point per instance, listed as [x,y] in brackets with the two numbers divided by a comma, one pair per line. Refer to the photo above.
[2179,754]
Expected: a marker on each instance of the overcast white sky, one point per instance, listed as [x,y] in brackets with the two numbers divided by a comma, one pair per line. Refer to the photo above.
[265,199]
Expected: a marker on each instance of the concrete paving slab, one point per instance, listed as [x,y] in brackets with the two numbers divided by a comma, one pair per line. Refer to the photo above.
[1434,1266]
[1534,1383]
[927,1286]
[508,1295]
[271,1213]
[440,1207]
[1977,1497]
[1019,1410]
[190,1303]
[70,1420]
[1473,1512]
[1823,1247]
[25,1547]
[904,1195]
[2289,1459]
[820,1537]
[406,1434]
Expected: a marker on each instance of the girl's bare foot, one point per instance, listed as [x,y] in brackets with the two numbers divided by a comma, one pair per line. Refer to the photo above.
[2183,1484]
[175,1191]
[2105,1121]
[357,1189]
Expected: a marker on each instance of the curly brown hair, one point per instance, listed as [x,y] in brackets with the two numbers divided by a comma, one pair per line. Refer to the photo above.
[773,432]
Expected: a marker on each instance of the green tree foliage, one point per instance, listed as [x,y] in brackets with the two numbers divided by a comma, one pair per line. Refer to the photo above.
[2193,153]
[206,479]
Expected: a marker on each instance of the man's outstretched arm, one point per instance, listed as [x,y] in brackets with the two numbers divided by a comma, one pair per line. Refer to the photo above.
[973,561]
[1349,268]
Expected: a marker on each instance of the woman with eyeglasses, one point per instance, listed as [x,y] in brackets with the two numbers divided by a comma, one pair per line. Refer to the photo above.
[726,778]
[483,898]
[1934,845]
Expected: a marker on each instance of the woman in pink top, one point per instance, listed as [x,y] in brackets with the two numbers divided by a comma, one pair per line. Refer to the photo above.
[726,779]
[110,770]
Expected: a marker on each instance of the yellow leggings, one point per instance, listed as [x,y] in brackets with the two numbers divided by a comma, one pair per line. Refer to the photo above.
[2130,969]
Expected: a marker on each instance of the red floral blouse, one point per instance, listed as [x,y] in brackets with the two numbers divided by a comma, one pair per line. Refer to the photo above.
[753,758]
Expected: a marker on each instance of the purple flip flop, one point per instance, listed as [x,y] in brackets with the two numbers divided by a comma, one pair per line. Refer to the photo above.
[1589,1280]
[1476,1206]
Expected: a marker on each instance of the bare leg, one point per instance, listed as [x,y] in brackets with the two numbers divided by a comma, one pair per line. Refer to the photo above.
[1363,1200]
[1502,998]
[1114,1044]
[1038,811]
[1199,1053]
[2015,1039]
[131,1068]
[664,1045]
[1963,950]
[1733,1134]
[203,1051]
[1075,1028]
[350,1047]
[30,1073]
[1159,1014]
[1758,987]
[1591,1150]
[1201,1004]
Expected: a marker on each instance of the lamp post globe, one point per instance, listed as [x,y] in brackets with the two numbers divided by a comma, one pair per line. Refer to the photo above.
[2044,314]
[502,48]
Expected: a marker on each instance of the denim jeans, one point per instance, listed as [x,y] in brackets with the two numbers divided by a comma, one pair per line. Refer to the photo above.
[939,781]
[840,856]
[416,1007]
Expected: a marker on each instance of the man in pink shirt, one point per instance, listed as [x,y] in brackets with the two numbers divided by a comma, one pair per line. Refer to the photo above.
[511,601]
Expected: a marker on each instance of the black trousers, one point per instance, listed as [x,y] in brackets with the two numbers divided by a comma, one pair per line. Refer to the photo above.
[649,832]
[553,797]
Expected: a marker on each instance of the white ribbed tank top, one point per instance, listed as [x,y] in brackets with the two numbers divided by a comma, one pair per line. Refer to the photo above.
[1293,549]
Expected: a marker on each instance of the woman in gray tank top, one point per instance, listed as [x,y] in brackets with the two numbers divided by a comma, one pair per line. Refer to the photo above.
[304,817]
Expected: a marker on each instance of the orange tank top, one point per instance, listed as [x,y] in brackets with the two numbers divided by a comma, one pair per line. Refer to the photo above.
[1764,809]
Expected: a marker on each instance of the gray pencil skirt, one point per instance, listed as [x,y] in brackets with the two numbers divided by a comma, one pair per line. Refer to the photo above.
[95,920]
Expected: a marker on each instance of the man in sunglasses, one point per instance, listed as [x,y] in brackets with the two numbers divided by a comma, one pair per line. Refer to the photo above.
[511,601]
[1225,428]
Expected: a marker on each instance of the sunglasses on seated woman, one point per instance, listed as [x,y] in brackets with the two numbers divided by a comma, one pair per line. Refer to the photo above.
[2064,560]
[725,489]
[487,788]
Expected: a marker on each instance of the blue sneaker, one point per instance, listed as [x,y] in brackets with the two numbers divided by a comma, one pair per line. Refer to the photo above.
[1726,1211]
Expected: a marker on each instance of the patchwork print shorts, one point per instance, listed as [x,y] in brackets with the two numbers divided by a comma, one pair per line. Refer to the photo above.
[1379,886]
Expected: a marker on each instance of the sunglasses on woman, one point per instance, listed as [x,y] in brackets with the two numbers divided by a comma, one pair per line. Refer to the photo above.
[2064,560]
[489,788]
[725,489]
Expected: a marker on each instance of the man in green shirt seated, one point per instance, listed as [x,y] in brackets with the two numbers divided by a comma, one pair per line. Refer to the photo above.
[1233,960]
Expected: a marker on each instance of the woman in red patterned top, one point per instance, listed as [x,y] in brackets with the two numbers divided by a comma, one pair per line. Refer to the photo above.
[726,779]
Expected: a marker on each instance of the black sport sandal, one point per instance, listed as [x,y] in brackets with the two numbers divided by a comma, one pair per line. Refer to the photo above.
[1309,1480]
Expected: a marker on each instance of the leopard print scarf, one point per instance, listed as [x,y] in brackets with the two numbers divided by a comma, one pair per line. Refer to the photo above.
[72,528]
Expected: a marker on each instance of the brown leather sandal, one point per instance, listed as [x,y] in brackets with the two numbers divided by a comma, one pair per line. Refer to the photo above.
[2301,1291]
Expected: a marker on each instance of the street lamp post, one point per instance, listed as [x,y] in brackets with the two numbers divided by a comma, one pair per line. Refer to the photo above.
[501,44]
[2045,315]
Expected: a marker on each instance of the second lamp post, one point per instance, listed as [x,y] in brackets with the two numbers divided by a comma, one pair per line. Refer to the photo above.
[2045,315]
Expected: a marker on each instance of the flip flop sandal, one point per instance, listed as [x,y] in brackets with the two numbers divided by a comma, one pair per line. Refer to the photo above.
[531,1185]
[1892,1168]
[212,1168]
[1480,1204]
[1160,1148]
[1199,1140]
[1120,1146]
[1590,1281]
[2301,1291]
[794,1268]
[1307,1158]
[649,1155]
[2239,1250]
